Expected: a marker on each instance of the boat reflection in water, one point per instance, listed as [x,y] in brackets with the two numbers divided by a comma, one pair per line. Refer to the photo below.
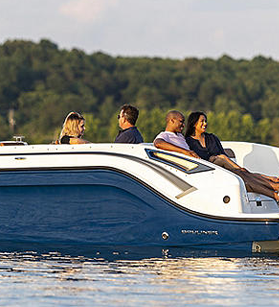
[132,195]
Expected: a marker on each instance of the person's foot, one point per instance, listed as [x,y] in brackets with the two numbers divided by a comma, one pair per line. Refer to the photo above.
[273,179]
[274,185]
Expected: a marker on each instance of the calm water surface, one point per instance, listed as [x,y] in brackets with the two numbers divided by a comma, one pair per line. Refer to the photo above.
[106,277]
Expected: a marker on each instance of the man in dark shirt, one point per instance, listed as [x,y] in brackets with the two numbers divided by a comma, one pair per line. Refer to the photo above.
[127,120]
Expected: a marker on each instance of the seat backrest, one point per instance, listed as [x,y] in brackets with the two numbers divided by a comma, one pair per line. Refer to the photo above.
[230,153]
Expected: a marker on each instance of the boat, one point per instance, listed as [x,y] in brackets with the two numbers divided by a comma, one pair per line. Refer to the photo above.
[134,195]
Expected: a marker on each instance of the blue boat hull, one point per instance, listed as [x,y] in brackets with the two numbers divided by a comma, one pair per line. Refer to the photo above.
[107,207]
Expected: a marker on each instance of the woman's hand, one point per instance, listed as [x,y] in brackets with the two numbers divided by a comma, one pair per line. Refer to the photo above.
[191,153]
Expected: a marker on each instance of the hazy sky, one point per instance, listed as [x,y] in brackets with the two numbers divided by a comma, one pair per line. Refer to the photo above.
[164,28]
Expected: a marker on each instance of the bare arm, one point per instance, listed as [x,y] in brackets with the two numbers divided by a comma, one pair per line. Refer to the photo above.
[160,143]
[74,141]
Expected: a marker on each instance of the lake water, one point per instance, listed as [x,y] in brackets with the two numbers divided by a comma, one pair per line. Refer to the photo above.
[138,277]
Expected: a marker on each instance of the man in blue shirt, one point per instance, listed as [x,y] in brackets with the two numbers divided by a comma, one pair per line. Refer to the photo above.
[127,120]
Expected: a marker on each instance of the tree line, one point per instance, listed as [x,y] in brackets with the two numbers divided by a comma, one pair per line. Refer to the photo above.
[40,84]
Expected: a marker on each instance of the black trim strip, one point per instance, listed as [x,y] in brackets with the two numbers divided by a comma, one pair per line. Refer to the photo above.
[254,220]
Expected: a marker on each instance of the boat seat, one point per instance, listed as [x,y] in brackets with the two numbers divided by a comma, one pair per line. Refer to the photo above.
[230,153]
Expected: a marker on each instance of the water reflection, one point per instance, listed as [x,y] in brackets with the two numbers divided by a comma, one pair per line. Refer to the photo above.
[124,277]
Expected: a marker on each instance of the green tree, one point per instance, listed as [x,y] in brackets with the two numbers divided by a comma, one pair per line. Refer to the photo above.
[151,123]
[92,128]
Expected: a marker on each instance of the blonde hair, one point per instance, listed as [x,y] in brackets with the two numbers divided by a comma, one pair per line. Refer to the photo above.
[70,125]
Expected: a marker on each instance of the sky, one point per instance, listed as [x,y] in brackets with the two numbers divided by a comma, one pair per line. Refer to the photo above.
[153,28]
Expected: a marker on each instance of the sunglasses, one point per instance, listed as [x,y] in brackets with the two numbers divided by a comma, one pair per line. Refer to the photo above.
[118,116]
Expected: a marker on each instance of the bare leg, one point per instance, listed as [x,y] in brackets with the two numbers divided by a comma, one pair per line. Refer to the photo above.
[235,165]
[221,161]
[256,184]
[228,164]
[271,178]
[229,161]
[262,179]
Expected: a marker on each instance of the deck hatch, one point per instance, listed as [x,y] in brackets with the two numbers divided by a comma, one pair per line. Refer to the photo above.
[183,163]
[187,165]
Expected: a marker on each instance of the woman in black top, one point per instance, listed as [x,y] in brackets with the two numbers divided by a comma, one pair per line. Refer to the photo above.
[209,147]
[206,145]
[73,129]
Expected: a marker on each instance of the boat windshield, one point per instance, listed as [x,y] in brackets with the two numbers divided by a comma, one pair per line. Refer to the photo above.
[178,162]
[187,165]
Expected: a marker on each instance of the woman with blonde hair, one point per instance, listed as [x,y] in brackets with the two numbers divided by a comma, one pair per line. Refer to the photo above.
[73,129]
